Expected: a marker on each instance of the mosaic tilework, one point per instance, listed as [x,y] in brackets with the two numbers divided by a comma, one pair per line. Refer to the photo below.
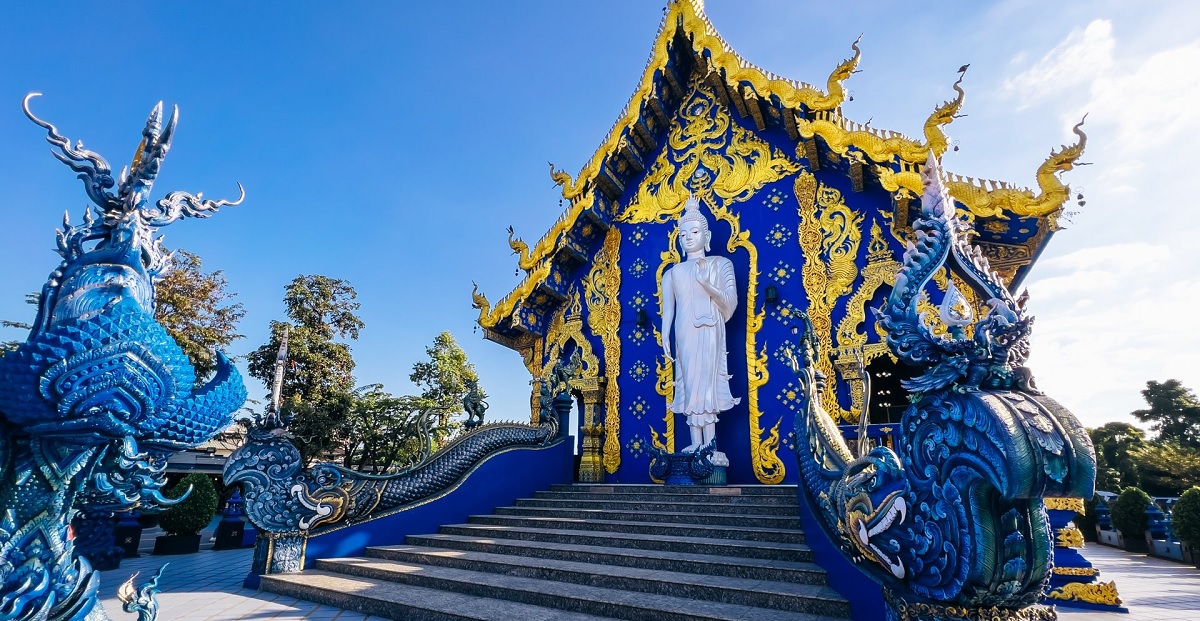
[638,268]
[639,371]
[783,312]
[790,396]
[637,236]
[639,335]
[639,407]
[779,235]
[638,301]
[636,445]
[775,198]
[781,272]
[780,352]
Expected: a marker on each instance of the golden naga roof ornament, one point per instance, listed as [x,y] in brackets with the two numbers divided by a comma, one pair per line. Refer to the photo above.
[570,190]
[943,115]
[524,260]
[480,301]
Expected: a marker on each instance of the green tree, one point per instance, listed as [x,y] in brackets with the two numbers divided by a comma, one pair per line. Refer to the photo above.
[195,309]
[1174,412]
[192,514]
[1129,512]
[383,432]
[319,380]
[1116,469]
[1185,517]
[445,378]
[1167,468]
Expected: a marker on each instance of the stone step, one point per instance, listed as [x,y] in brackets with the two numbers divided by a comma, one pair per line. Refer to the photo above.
[638,488]
[669,543]
[391,600]
[790,510]
[669,498]
[643,528]
[797,597]
[635,606]
[710,519]
[799,569]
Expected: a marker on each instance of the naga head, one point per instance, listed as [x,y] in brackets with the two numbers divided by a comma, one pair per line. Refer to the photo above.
[97,367]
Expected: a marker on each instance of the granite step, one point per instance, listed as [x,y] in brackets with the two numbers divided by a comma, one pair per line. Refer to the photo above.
[747,533]
[669,498]
[392,600]
[708,519]
[789,510]
[636,606]
[669,543]
[638,488]
[799,569]
[797,597]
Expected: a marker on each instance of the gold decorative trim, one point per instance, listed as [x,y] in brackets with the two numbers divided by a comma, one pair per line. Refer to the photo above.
[1068,537]
[665,385]
[601,288]
[1077,571]
[1064,504]
[1102,593]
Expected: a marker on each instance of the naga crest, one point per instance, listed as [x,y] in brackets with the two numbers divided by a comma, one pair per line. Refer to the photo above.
[99,395]
[953,519]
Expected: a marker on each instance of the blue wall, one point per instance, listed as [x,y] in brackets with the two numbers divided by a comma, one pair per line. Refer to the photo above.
[496,482]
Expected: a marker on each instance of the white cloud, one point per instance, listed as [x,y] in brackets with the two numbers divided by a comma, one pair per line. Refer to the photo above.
[1152,104]
[1109,319]
[1082,57]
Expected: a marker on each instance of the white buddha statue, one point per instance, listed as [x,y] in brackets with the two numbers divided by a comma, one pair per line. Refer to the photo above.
[699,296]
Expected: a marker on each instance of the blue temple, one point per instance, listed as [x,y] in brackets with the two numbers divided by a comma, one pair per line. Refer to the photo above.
[99,395]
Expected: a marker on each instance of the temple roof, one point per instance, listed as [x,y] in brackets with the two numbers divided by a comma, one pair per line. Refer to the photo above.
[1013,223]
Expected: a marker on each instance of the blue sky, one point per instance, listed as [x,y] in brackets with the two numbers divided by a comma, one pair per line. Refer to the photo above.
[391,143]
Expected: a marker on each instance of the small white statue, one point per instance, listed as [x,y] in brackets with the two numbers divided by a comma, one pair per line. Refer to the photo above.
[699,296]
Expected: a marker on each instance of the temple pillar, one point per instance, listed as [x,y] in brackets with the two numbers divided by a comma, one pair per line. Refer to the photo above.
[591,462]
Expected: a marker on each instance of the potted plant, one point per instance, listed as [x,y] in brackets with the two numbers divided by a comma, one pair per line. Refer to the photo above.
[1129,516]
[184,520]
[1185,523]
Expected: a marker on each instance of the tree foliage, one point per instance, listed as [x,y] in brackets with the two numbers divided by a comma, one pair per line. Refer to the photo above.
[196,310]
[1167,468]
[1129,512]
[382,432]
[319,380]
[1174,412]
[446,377]
[193,513]
[1185,518]
[1116,469]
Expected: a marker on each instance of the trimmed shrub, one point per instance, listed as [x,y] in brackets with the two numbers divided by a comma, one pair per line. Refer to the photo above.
[1185,518]
[1129,513]
[1086,521]
[193,513]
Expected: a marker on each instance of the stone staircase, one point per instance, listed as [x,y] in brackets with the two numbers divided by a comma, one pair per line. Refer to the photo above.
[589,552]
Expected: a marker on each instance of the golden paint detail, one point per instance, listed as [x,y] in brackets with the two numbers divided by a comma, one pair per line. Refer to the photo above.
[1077,571]
[1064,504]
[1069,537]
[842,134]
[992,199]
[1102,593]
[565,326]
[841,231]
[604,318]
[706,136]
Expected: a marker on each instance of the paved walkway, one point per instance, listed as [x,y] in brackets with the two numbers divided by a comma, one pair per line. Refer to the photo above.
[1153,589]
[207,586]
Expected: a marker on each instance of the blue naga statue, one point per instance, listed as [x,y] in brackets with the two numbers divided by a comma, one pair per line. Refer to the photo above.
[952,522]
[99,396]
